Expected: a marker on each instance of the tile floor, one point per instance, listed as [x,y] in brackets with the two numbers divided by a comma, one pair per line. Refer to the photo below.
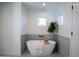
[27,54]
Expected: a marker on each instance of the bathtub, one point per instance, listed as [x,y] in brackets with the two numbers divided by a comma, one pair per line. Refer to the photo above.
[38,48]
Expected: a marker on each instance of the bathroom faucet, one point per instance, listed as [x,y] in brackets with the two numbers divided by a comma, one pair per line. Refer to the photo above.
[42,36]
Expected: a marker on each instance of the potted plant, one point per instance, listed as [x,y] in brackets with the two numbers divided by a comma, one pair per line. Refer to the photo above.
[53,27]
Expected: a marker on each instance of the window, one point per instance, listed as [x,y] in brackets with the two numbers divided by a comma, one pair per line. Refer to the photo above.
[41,21]
[60,19]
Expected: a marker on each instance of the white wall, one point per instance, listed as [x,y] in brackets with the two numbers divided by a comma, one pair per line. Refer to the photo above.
[10,29]
[32,22]
[29,19]
[65,29]
[24,19]
[33,28]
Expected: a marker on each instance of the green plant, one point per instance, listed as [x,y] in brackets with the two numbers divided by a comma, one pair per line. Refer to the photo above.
[53,27]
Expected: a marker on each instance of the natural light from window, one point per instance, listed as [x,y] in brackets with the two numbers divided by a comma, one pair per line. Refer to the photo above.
[41,21]
[60,20]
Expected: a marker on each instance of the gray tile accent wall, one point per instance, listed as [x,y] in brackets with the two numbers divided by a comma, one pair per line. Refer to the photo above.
[23,43]
[62,43]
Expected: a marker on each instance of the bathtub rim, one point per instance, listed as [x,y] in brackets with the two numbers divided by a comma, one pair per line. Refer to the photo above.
[29,41]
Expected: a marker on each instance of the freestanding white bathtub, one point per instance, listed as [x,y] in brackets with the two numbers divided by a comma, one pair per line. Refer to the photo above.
[37,48]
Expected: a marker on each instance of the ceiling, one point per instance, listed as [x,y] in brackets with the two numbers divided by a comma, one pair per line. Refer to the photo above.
[38,5]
